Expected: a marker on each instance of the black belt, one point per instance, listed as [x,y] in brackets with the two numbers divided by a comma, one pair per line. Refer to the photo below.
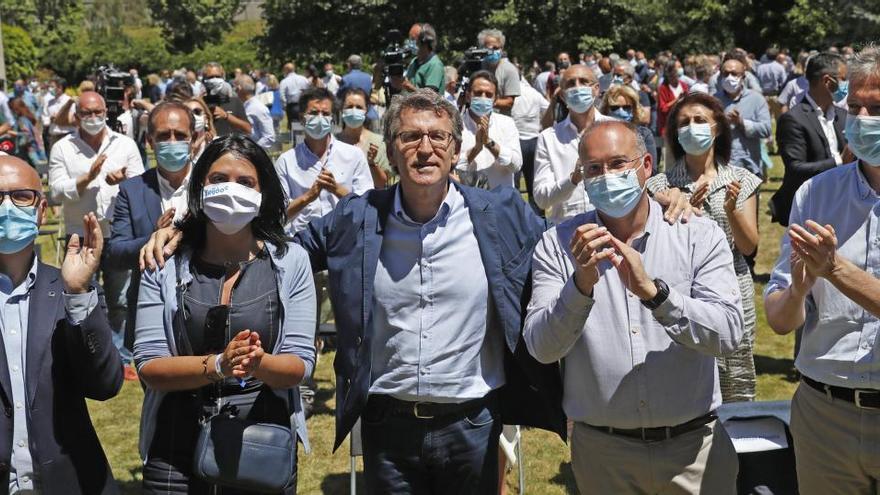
[661,432]
[427,410]
[862,398]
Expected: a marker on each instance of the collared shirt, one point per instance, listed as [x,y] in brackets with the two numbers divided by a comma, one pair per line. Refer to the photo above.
[298,168]
[71,158]
[839,344]
[502,130]
[14,307]
[826,122]
[556,155]
[624,365]
[527,111]
[262,126]
[793,90]
[427,74]
[174,198]
[433,335]
[746,145]
[540,82]
[291,87]
[772,76]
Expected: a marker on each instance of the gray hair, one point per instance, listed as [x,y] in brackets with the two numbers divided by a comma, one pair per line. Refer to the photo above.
[246,83]
[491,33]
[355,62]
[627,67]
[213,65]
[451,73]
[641,147]
[864,65]
[420,99]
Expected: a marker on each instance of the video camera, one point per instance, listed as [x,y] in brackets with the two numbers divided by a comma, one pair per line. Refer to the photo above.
[395,55]
[473,61]
[217,92]
[110,83]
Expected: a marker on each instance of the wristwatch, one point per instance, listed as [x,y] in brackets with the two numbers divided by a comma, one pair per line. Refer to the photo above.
[490,143]
[659,298]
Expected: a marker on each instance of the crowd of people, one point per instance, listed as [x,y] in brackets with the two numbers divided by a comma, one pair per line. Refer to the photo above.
[614,305]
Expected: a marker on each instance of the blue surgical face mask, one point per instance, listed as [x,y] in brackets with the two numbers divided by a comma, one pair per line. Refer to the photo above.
[695,138]
[679,71]
[318,126]
[481,105]
[18,227]
[863,138]
[172,155]
[842,91]
[493,56]
[616,80]
[579,99]
[615,194]
[623,114]
[354,117]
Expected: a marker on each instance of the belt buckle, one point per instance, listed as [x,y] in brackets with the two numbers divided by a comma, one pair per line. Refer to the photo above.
[416,411]
[858,400]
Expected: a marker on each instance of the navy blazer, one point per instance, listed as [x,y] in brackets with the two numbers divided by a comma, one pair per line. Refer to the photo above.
[138,208]
[346,242]
[65,364]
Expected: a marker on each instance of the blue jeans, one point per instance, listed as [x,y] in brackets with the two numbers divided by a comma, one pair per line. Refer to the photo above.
[455,454]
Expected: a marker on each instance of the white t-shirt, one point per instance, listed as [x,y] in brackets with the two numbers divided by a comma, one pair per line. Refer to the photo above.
[527,111]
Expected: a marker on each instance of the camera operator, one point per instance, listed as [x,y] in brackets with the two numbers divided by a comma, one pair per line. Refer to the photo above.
[228,110]
[505,72]
[426,70]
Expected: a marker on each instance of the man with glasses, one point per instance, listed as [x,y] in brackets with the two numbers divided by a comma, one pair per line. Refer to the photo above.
[826,280]
[747,111]
[637,310]
[56,349]
[85,169]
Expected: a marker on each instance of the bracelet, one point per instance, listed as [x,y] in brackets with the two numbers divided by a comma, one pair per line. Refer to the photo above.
[217,368]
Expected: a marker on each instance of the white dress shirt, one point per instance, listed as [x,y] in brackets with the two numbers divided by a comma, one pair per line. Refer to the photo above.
[826,122]
[174,198]
[291,87]
[502,130]
[262,126]
[298,168]
[527,111]
[53,106]
[555,157]
[71,158]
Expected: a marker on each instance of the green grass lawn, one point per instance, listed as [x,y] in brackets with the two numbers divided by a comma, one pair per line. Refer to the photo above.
[547,468]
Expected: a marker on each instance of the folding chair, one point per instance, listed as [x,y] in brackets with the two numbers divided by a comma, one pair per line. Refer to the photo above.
[357,449]
[511,444]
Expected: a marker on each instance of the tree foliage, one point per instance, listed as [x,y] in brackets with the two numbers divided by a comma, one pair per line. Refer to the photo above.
[22,57]
[191,24]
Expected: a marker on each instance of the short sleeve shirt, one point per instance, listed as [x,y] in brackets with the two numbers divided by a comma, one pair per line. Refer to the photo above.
[430,74]
[508,78]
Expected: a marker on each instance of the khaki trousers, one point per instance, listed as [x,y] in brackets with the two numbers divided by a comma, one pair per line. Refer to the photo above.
[702,461]
[836,444]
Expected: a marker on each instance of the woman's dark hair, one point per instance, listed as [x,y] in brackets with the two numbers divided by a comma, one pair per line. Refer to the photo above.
[721,146]
[354,91]
[268,226]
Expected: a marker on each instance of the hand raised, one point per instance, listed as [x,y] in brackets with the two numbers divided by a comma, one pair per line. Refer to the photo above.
[83,257]
[161,245]
[731,196]
[588,249]
[632,272]
[166,219]
[816,247]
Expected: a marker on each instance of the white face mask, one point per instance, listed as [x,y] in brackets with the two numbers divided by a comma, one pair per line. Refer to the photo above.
[731,84]
[92,125]
[230,206]
[199,121]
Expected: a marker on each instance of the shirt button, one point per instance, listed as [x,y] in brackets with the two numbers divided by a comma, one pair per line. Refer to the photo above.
[25,479]
[18,405]
[866,346]
[643,403]
[425,335]
[635,330]
[424,371]
[15,368]
[21,443]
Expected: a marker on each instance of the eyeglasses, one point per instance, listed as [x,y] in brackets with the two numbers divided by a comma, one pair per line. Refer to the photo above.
[84,114]
[197,111]
[21,197]
[726,73]
[613,166]
[439,139]
[615,108]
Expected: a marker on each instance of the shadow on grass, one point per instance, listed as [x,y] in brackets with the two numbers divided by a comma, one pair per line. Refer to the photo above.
[776,366]
[340,483]
[564,477]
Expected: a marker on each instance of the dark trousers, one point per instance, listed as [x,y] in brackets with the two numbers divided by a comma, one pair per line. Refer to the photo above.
[454,454]
[162,477]
[292,111]
[527,146]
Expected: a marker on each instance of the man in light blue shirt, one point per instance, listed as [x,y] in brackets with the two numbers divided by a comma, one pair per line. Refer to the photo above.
[290,89]
[262,126]
[636,310]
[57,350]
[826,279]
[747,112]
